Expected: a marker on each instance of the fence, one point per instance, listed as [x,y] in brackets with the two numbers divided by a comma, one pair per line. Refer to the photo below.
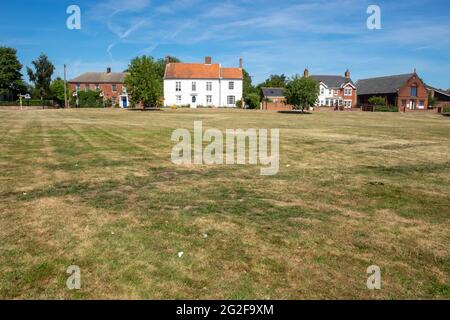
[276,106]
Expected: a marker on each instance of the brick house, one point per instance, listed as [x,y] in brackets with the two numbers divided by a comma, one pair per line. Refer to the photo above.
[274,100]
[110,84]
[407,91]
[335,91]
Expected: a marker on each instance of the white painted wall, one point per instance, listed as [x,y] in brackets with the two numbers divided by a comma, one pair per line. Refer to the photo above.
[219,92]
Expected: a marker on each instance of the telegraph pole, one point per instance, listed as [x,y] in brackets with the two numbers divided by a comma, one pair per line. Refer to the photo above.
[65,88]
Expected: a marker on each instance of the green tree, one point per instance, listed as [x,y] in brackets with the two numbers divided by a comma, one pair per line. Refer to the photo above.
[377,101]
[57,88]
[42,76]
[250,92]
[145,81]
[11,83]
[302,92]
[253,100]
[274,81]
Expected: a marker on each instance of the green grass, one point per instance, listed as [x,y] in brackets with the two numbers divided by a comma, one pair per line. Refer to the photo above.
[97,188]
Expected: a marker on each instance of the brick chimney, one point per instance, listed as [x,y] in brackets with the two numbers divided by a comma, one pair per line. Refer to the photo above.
[347,74]
[241,63]
[208,60]
[108,70]
[306,73]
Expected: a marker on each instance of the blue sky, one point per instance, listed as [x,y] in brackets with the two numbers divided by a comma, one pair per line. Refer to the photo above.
[273,36]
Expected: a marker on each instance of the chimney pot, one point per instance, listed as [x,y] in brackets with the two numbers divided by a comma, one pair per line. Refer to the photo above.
[108,70]
[241,63]
[208,60]
[347,74]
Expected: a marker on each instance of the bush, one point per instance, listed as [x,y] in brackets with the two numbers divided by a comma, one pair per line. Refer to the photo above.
[386,109]
[377,101]
[88,99]
[252,100]
[30,103]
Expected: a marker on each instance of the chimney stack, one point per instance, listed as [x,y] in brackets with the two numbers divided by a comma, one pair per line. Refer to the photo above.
[208,60]
[306,73]
[241,63]
[108,70]
[347,74]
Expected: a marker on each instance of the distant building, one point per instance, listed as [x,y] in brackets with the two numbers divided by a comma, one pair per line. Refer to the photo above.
[274,100]
[202,84]
[406,91]
[335,91]
[110,84]
[442,96]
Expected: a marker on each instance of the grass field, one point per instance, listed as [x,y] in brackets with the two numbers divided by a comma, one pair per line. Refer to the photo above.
[97,189]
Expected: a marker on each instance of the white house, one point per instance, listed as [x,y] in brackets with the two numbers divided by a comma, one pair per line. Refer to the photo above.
[335,90]
[202,84]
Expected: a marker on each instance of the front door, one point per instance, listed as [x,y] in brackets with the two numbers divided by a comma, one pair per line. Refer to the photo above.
[124,102]
[194,102]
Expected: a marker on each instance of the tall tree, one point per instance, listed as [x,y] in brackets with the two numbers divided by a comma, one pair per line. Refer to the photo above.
[249,92]
[11,83]
[275,81]
[302,92]
[42,76]
[145,81]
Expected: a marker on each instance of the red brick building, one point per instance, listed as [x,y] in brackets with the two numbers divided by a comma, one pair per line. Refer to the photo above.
[407,91]
[274,100]
[110,84]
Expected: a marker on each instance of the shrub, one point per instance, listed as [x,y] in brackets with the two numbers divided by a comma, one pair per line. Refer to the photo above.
[88,99]
[377,101]
[386,109]
[252,100]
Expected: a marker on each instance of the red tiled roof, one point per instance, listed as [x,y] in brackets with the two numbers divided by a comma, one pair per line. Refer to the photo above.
[231,73]
[200,71]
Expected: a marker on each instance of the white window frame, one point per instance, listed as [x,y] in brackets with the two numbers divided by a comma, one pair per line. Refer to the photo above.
[208,99]
[178,86]
[194,86]
[231,85]
[348,91]
[232,99]
[178,99]
[114,87]
[209,86]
